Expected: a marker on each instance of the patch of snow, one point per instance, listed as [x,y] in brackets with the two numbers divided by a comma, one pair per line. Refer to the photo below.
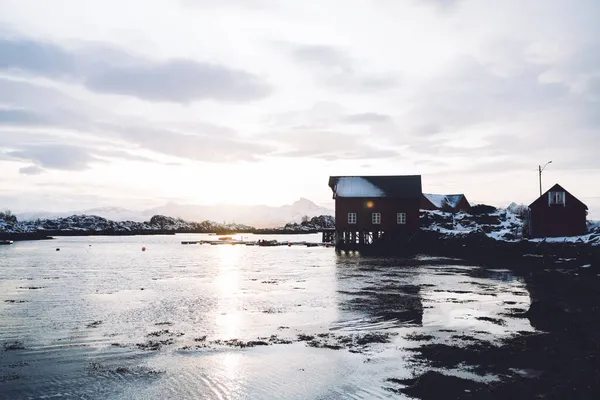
[563,239]
[355,186]
[509,229]
[440,200]
[453,199]
[437,200]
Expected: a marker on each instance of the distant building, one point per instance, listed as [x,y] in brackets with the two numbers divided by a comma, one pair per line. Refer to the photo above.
[375,209]
[445,202]
[557,213]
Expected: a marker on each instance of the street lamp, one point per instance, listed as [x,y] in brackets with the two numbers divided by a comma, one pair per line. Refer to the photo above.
[540,169]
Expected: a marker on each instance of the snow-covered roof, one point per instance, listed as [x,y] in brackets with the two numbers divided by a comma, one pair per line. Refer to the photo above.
[401,186]
[439,200]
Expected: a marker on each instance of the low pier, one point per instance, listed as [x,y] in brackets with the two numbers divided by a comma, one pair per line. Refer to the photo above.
[259,243]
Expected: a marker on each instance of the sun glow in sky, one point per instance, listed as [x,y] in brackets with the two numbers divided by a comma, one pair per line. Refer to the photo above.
[135,103]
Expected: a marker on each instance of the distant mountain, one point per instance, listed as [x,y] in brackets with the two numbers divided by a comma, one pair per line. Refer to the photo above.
[118,214]
[111,213]
[257,216]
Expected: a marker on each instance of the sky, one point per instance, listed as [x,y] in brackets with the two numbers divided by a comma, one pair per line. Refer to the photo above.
[136,103]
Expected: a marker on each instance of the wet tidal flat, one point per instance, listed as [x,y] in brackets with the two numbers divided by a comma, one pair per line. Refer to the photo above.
[102,319]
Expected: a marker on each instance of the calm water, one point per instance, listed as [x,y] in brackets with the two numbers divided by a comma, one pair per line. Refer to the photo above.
[102,319]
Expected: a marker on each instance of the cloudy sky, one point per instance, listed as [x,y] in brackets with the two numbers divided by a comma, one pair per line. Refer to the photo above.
[135,103]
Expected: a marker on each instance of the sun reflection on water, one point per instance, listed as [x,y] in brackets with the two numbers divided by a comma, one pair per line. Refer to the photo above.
[228,319]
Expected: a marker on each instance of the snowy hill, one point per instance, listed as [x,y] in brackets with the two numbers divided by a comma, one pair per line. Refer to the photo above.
[112,213]
[92,224]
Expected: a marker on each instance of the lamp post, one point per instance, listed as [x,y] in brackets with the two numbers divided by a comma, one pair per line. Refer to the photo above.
[540,169]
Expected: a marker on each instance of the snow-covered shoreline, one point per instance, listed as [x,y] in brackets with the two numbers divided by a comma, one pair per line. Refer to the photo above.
[90,224]
[505,225]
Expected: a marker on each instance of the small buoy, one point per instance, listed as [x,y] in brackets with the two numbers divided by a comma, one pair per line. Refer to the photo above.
[57,249]
[143,249]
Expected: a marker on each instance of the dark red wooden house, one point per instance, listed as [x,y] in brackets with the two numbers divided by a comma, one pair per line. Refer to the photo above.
[557,213]
[445,202]
[372,210]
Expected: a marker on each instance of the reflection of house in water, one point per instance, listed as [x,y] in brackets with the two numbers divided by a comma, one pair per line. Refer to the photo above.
[375,210]
[472,300]
[388,298]
[424,293]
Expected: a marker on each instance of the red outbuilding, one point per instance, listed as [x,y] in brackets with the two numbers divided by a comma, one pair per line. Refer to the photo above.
[557,213]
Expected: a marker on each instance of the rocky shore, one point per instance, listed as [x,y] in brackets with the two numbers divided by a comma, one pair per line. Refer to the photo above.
[496,237]
[560,360]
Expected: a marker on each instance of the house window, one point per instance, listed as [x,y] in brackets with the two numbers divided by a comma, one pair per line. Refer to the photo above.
[351,218]
[401,218]
[556,198]
[376,218]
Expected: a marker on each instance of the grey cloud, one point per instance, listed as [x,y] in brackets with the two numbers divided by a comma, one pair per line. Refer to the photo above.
[322,55]
[532,118]
[31,104]
[338,68]
[41,58]
[180,81]
[32,170]
[244,4]
[200,142]
[54,156]
[320,116]
[360,82]
[470,93]
[110,70]
[316,132]
[445,147]
[426,129]
[505,165]
[20,117]
[593,89]
[120,155]
[13,140]
[208,145]
[444,4]
[368,118]
[58,155]
[327,145]
[59,152]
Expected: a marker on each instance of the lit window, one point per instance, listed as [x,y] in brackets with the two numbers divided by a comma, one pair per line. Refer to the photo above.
[401,218]
[351,218]
[376,218]
[556,198]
